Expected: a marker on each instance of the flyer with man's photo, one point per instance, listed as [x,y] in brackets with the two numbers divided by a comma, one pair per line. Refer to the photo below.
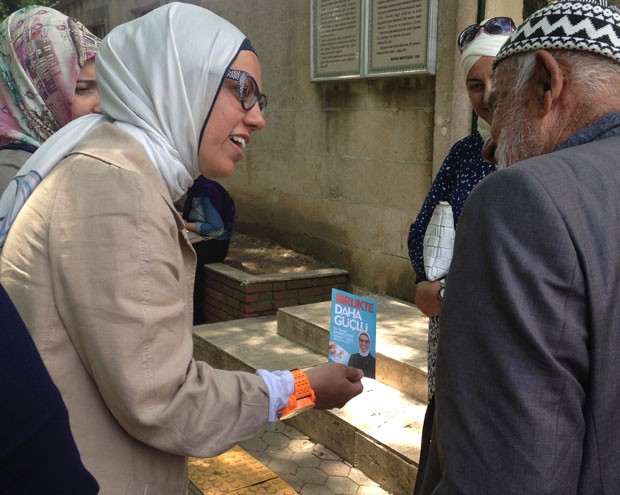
[353,330]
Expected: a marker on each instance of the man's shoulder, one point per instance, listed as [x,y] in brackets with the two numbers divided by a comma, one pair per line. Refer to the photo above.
[591,154]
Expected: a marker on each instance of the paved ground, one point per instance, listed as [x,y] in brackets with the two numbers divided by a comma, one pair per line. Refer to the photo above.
[309,468]
[281,461]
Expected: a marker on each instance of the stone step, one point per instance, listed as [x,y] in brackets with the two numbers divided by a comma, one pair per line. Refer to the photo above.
[378,432]
[401,345]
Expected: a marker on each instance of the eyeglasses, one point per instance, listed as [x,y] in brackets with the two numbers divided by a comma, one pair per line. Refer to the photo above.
[249,94]
[364,341]
[494,26]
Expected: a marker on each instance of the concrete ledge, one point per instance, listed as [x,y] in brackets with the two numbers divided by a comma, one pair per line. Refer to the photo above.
[402,332]
[245,278]
[378,432]
[248,345]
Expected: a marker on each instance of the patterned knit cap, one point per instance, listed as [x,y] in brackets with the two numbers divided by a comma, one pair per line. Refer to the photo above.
[584,25]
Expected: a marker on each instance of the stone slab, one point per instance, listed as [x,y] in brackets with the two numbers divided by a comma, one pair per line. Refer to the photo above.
[380,427]
[250,344]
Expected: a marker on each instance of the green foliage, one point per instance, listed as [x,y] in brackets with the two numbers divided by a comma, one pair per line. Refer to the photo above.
[9,6]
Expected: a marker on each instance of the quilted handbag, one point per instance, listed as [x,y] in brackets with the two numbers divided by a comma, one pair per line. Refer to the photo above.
[439,242]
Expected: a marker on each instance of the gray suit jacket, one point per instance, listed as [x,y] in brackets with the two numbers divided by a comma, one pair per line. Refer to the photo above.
[528,369]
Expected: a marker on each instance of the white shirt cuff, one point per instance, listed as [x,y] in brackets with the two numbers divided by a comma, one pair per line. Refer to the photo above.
[280,385]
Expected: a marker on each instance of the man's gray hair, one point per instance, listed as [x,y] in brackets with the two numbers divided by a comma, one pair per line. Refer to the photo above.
[598,73]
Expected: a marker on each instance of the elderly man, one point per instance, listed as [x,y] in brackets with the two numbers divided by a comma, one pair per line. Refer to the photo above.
[528,369]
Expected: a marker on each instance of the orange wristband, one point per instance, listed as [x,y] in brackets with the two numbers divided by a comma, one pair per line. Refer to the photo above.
[303,397]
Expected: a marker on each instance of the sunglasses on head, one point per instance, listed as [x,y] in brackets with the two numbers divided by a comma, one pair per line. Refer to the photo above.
[495,25]
[249,95]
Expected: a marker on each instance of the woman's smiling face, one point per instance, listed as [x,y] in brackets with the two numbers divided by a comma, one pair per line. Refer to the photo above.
[229,127]
[478,84]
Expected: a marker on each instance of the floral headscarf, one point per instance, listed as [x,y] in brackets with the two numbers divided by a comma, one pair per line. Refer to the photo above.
[162,98]
[41,54]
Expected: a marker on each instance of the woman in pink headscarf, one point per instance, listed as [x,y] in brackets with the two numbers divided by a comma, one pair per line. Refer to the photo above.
[47,79]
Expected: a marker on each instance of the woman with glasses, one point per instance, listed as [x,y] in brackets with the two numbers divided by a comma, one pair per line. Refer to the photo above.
[98,262]
[39,94]
[460,171]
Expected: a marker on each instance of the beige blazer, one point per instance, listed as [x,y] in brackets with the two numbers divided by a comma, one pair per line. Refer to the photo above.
[100,268]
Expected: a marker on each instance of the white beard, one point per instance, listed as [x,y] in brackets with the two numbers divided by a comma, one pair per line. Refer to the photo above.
[520,140]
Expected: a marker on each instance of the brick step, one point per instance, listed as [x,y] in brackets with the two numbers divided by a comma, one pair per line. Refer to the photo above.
[377,432]
[234,294]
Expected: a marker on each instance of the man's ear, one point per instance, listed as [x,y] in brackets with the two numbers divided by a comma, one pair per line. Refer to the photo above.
[548,81]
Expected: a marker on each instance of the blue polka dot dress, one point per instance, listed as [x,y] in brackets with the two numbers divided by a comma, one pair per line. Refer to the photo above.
[460,172]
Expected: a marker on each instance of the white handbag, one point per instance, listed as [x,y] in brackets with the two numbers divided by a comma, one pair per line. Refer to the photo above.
[438,242]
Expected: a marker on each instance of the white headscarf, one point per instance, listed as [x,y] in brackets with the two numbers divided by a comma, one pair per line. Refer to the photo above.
[364,354]
[158,78]
[483,45]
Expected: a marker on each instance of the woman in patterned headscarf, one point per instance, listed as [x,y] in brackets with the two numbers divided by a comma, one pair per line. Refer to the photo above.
[47,70]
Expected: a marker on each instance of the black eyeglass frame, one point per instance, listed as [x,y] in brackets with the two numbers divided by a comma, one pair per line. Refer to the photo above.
[493,26]
[242,77]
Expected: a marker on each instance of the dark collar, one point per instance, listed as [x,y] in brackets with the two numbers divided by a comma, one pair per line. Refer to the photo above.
[605,127]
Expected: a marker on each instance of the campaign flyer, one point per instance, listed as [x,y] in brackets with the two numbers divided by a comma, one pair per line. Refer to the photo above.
[352,331]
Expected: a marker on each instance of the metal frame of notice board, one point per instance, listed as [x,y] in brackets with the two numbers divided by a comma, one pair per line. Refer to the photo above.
[354,39]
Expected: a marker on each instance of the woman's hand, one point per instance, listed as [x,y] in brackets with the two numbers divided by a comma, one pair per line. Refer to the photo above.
[334,384]
[427,298]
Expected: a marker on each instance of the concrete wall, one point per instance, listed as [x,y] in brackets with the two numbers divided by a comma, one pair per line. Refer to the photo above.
[502,8]
[343,167]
